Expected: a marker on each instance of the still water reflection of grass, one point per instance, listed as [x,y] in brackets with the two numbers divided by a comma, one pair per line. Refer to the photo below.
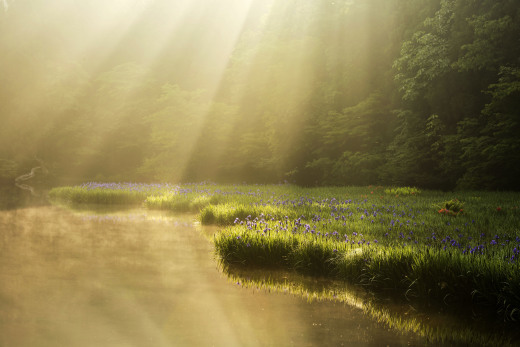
[436,328]
[137,278]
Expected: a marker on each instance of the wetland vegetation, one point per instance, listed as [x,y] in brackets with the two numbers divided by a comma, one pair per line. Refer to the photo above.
[457,252]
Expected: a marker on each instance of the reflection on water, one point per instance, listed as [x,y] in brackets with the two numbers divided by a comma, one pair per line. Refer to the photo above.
[137,278]
[435,328]
[12,197]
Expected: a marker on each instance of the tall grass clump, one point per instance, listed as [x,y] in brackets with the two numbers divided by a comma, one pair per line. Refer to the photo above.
[106,193]
[181,202]
[402,191]
[229,214]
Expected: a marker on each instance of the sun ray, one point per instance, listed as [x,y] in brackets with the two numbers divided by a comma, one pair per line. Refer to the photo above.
[221,35]
[122,41]
[206,32]
[273,71]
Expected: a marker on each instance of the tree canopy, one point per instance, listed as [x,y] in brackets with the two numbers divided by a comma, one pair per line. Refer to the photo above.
[348,92]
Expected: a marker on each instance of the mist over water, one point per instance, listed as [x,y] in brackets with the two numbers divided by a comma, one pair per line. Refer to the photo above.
[137,278]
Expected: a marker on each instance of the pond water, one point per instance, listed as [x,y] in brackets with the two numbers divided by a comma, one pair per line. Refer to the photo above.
[140,278]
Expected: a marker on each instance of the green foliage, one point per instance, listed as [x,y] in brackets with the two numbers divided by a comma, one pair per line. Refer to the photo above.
[452,207]
[490,144]
[487,50]
[440,144]
[402,93]
[402,191]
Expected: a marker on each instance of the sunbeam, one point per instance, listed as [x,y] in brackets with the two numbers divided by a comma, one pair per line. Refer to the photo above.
[302,129]
[255,90]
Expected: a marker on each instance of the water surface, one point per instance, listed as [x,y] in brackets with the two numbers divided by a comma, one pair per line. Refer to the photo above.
[140,278]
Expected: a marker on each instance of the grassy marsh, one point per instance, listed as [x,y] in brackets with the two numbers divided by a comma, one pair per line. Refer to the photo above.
[394,241]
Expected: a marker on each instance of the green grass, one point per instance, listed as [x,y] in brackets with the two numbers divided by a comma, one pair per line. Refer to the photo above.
[81,195]
[181,202]
[393,241]
[230,213]
[402,191]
